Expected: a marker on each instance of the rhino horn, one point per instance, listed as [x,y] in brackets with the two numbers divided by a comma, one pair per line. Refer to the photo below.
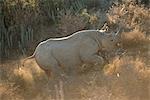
[117,32]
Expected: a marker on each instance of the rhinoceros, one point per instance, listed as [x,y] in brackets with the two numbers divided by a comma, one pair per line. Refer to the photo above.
[59,55]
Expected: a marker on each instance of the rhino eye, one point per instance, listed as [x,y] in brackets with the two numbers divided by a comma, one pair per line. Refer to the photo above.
[111,40]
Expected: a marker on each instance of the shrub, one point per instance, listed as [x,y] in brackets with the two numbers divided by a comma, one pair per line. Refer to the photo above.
[129,78]
[129,16]
[70,23]
[19,22]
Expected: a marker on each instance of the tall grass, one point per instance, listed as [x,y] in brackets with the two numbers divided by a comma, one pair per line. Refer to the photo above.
[18,22]
[122,79]
[130,16]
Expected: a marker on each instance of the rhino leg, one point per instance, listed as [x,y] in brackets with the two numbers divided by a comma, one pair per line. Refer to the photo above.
[56,71]
[95,59]
[51,68]
[89,53]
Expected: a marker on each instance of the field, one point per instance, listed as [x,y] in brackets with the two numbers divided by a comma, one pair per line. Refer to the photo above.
[25,23]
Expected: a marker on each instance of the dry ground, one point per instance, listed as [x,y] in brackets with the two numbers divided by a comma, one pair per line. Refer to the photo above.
[127,78]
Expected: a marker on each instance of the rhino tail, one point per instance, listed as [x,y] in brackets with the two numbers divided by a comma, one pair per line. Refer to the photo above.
[30,57]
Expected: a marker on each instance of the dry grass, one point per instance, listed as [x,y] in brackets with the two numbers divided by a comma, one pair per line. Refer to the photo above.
[130,16]
[70,23]
[130,78]
[123,79]
[134,36]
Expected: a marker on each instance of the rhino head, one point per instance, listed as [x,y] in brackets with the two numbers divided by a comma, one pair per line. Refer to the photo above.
[111,41]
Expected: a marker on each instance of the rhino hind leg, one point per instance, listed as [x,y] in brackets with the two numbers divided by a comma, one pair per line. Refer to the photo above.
[56,70]
[51,68]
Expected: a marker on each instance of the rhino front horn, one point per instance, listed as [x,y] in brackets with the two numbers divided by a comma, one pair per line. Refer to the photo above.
[118,32]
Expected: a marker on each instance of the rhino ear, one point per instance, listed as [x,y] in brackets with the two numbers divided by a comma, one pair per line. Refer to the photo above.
[102,31]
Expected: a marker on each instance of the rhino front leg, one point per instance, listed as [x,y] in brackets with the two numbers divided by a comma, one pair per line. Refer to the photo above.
[95,59]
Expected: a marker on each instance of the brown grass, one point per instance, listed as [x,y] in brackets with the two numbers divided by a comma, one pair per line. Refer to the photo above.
[123,79]
[134,36]
[130,78]
[129,16]
[70,23]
